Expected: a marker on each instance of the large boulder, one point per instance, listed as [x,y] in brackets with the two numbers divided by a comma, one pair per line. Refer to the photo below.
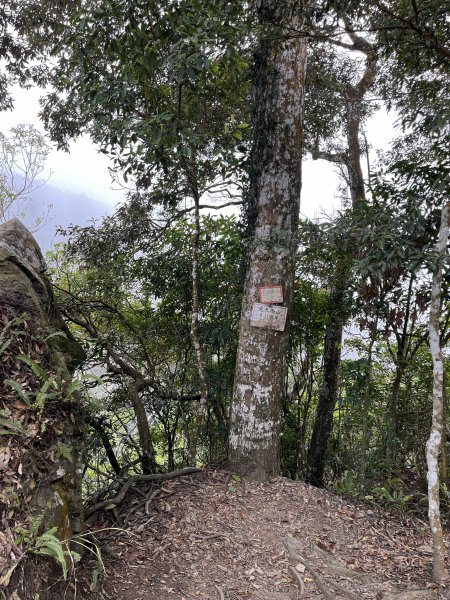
[40,424]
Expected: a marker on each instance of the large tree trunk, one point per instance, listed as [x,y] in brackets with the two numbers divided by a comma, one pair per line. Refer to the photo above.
[437,426]
[261,361]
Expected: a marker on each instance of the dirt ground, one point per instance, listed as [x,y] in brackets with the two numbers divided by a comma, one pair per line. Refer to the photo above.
[210,536]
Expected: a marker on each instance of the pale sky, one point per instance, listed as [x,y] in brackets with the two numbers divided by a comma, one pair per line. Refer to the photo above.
[85,170]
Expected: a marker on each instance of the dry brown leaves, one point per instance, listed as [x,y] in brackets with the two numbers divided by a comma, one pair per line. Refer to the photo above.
[209,537]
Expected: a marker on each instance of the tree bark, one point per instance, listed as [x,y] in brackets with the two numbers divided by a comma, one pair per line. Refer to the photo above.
[444,445]
[261,361]
[328,394]
[437,426]
[148,461]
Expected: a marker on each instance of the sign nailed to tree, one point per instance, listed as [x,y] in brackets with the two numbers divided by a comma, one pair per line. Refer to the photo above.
[268,317]
[271,294]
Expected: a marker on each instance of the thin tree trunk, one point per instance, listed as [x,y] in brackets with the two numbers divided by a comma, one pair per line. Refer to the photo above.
[148,461]
[170,454]
[392,412]
[366,409]
[303,424]
[221,419]
[99,426]
[444,445]
[402,357]
[437,426]
[148,457]
[195,338]
[354,170]
[254,441]
[328,395]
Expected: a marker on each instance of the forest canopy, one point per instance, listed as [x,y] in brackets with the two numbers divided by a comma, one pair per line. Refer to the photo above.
[218,327]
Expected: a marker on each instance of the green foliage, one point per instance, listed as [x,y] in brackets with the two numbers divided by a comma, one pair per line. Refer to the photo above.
[136,302]
[416,62]
[392,492]
[53,386]
[9,425]
[173,75]
[63,451]
[46,544]
[347,484]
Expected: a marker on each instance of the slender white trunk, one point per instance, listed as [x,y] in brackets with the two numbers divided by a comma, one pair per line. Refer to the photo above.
[261,361]
[437,426]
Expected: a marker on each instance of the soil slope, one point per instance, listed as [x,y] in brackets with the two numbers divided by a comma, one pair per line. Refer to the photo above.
[208,536]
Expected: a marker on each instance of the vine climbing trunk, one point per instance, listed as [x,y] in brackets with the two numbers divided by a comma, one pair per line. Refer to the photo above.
[261,361]
[437,426]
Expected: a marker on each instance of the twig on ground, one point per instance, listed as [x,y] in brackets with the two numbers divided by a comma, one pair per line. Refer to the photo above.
[342,590]
[11,537]
[140,492]
[209,535]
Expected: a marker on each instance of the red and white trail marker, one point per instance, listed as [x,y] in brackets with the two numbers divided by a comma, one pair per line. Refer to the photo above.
[271,294]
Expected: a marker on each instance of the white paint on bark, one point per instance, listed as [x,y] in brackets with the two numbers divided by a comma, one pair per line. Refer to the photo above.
[261,360]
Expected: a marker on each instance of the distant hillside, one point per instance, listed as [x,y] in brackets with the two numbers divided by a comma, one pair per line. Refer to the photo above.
[67,208]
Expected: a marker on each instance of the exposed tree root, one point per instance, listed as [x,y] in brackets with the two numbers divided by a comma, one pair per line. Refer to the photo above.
[118,499]
[335,570]
[296,575]
[290,545]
